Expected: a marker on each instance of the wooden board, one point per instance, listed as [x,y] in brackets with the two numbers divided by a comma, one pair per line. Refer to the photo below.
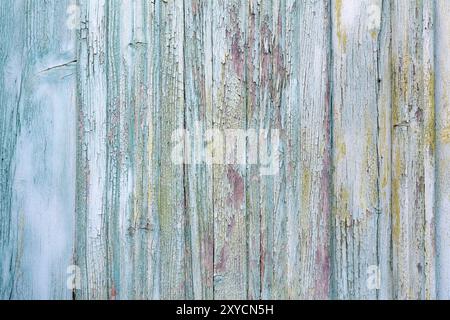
[242,149]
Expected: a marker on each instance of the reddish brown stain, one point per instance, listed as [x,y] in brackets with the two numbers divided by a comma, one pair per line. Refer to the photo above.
[322,285]
[208,258]
[221,265]
[236,197]
[266,36]
[236,39]
[113,293]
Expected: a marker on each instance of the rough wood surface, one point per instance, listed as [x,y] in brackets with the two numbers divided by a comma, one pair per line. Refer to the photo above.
[413,142]
[442,94]
[118,179]
[37,136]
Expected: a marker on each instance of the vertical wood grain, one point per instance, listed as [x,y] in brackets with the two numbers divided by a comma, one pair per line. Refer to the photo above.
[294,99]
[90,117]
[442,94]
[255,184]
[229,185]
[132,244]
[198,119]
[37,139]
[355,155]
[413,150]
[170,110]
[313,64]
[268,115]
[384,158]
[91,241]
[429,148]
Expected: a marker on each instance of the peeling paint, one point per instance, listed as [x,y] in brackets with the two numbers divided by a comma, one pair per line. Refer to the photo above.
[88,115]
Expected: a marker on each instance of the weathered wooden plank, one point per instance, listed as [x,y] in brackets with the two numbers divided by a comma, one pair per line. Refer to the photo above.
[91,243]
[113,133]
[170,111]
[267,115]
[11,12]
[294,99]
[197,120]
[429,132]
[132,222]
[442,94]
[229,185]
[313,150]
[355,207]
[152,254]
[412,150]
[37,139]
[131,218]
[355,152]
[382,274]
[254,190]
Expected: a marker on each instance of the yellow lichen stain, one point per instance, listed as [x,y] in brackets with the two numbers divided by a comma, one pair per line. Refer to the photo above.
[384,179]
[342,206]
[400,74]
[406,67]
[395,108]
[384,142]
[150,160]
[342,150]
[430,127]
[395,104]
[306,185]
[445,135]
[374,34]
[369,165]
[341,34]
[369,143]
[396,198]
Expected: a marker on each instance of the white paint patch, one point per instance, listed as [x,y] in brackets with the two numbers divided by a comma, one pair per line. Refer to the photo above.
[44,185]
[350,12]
